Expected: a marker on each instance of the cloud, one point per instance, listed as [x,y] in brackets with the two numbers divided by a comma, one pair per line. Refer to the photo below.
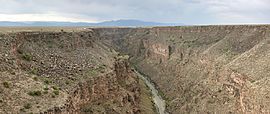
[102,9]
[238,11]
[43,17]
[182,11]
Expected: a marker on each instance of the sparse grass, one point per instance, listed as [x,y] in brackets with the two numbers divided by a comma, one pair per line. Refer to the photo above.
[192,43]
[6,85]
[61,46]
[101,68]
[252,81]
[91,72]
[50,43]
[34,71]
[35,93]
[19,51]
[13,73]
[46,88]
[27,56]
[123,57]
[55,88]
[35,78]
[172,40]
[87,110]
[53,96]
[50,46]
[27,106]
[45,92]
[67,82]
[226,50]
[163,95]
[22,110]
[47,81]
[56,92]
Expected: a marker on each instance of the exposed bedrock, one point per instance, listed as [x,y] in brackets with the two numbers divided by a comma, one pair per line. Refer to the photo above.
[114,92]
[67,72]
[202,69]
[197,69]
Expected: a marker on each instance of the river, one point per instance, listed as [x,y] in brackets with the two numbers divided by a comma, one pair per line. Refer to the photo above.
[159,102]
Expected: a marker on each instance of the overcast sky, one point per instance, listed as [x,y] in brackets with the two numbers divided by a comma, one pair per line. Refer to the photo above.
[171,11]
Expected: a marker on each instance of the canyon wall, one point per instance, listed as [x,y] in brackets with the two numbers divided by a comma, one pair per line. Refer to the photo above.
[66,72]
[115,92]
[201,69]
[197,69]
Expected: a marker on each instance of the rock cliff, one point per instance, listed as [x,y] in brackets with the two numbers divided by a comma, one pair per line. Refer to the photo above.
[114,92]
[66,72]
[197,69]
[202,69]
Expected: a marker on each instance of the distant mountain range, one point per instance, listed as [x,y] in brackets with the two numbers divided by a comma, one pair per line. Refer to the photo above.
[131,23]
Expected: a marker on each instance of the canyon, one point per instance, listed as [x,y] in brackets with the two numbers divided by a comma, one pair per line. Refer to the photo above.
[192,69]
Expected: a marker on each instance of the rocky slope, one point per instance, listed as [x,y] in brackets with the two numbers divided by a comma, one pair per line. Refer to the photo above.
[201,69]
[66,72]
[197,69]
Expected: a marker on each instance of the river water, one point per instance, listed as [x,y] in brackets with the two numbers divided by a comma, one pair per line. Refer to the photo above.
[159,102]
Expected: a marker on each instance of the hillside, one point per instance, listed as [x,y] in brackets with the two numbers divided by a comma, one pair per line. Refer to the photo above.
[202,69]
[196,69]
[66,72]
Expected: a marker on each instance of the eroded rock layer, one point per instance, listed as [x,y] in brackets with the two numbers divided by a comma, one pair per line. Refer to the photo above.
[66,72]
[197,69]
[202,69]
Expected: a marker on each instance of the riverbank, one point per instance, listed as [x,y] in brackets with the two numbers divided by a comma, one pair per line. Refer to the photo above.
[158,100]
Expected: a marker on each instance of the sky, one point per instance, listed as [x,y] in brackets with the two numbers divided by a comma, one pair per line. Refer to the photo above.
[165,11]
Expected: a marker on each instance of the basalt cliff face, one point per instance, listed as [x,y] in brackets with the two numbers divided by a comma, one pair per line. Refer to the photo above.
[197,69]
[201,69]
[114,92]
[66,72]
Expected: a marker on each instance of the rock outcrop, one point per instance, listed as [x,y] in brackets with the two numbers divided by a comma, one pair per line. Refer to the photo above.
[114,92]
[65,72]
[202,69]
[197,69]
